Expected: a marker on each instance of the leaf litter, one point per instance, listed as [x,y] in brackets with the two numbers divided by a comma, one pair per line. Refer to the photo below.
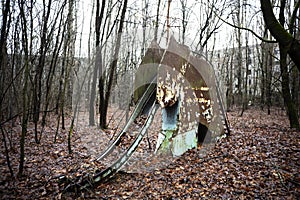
[260,160]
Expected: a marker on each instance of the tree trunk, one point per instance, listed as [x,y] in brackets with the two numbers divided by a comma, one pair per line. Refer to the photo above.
[70,58]
[3,51]
[37,94]
[263,75]
[247,60]
[168,21]
[144,26]
[98,65]
[93,93]
[239,55]
[295,86]
[51,73]
[269,69]
[113,66]
[290,106]
[66,67]
[25,95]
[157,21]
[279,33]
[184,19]
[230,90]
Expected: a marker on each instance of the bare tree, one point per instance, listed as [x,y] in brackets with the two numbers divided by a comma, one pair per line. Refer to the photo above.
[25,96]
[209,22]
[3,51]
[53,63]
[37,86]
[184,20]
[67,65]
[71,37]
[288,45]
[291,109]
[112,69]
[145,11]
[103,50]
[157,20]
[277,30]
[3,65]
[98,63]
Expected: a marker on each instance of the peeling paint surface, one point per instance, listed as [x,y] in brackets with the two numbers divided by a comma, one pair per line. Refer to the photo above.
[163,143]
[188,81]
[183,142]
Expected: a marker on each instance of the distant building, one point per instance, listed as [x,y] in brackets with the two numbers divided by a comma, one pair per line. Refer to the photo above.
[252,66]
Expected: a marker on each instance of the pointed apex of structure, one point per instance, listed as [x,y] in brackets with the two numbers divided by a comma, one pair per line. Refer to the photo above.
[181,50]
[154,45]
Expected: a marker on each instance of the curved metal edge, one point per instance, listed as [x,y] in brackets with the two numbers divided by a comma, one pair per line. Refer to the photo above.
[114,168]
[144,100]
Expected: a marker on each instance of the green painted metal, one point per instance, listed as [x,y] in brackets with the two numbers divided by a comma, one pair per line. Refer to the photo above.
[183,142]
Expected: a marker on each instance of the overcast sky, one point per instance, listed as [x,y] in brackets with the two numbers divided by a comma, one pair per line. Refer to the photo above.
[223,37]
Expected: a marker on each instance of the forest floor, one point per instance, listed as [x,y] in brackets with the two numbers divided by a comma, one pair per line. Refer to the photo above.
[259,160]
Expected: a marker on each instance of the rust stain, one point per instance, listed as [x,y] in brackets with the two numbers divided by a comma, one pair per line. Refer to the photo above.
[191,80]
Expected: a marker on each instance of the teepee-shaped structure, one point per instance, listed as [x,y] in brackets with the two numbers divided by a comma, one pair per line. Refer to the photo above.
[188,93]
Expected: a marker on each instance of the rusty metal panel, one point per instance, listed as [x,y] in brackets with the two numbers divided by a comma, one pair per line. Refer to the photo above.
[183,75]
[190,82]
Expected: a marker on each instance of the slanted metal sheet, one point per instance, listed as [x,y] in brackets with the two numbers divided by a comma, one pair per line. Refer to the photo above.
[147,70]
[190,81]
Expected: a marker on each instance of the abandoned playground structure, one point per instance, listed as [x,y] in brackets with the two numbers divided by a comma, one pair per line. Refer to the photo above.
[185,87]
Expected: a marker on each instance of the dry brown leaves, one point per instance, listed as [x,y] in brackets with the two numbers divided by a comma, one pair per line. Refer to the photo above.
[260,160]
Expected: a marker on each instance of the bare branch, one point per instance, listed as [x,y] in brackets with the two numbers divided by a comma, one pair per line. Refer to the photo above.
[244,28]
